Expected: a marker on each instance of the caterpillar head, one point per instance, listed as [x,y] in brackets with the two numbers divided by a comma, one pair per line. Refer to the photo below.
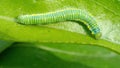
[98,35]
[19,19]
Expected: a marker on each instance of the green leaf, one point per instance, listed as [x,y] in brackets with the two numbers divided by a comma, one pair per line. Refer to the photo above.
[106,15]
[4,45]
[47,55]
[69,43]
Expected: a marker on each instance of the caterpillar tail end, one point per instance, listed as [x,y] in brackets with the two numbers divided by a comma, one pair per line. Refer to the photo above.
[98,35]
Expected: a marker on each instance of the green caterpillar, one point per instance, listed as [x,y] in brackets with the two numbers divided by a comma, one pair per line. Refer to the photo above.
[62,15]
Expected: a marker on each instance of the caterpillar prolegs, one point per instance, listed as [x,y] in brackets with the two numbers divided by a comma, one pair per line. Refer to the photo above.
[62,15]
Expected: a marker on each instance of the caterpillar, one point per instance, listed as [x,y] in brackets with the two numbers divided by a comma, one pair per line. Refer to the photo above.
[60,16]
